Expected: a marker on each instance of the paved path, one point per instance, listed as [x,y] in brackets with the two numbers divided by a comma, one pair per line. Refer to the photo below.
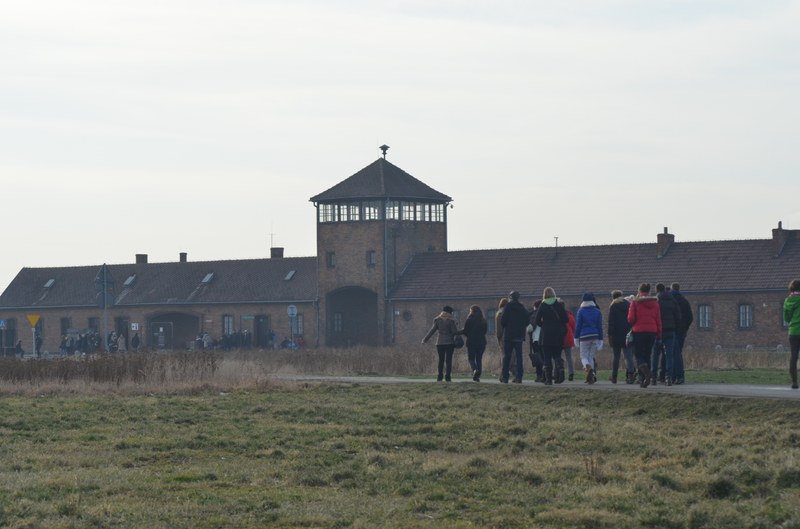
[707,390]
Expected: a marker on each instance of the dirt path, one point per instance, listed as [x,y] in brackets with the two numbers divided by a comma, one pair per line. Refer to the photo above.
[705,390]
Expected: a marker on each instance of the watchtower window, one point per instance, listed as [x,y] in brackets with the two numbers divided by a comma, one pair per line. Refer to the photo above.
[372,210]
[392,209]
[407,212]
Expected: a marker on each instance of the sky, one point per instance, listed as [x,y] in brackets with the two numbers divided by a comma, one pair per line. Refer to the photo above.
[204,126]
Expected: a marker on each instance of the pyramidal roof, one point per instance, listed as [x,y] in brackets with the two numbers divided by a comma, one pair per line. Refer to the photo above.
[381,179]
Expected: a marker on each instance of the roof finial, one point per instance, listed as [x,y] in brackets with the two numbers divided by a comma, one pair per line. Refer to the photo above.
[384,148]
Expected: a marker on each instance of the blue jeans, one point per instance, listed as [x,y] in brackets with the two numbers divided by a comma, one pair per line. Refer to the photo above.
[508,348]
[668,339]
[677,357]
[630,365]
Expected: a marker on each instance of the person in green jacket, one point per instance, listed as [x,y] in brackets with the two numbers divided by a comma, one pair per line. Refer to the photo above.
[791,314]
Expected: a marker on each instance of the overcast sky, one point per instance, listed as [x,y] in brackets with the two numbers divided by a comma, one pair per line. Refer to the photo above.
[205,126]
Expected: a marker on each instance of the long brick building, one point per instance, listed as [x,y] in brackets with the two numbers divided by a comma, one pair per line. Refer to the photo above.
[383,271]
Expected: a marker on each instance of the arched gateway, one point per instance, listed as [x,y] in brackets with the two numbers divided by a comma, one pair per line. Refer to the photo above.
[353,317]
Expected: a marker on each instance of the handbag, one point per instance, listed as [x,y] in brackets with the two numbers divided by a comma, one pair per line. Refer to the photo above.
[458,341]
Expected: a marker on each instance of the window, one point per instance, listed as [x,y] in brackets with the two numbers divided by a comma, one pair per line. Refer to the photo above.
[94,324]
[392,209]
[407,210]
[297,325]
[326,212]
[372,210]
[745,316]
[491,314]
[353,212]
[337,322]
[437,212]
[9,335]
[704,316]
[66,323]
[371,259]
[227,324]
[331,259]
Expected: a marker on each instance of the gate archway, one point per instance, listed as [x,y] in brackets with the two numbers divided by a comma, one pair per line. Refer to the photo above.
[352,317]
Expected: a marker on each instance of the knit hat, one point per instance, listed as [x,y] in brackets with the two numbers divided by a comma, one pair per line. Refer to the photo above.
[514,295]
[587,296]
[448,309]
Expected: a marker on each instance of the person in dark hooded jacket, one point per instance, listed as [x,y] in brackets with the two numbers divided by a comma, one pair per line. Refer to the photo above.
[670,321]
[618,329]
[514,322]
[552,319]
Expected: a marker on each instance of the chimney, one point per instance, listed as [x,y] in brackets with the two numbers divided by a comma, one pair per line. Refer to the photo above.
[779,239]
[664,241]
[182,257]
[141,258]
[276,252]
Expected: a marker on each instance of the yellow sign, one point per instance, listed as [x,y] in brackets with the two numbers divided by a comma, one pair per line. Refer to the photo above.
[33,319]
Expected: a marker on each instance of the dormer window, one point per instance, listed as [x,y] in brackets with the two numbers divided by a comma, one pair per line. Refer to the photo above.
[50,283]
[209,276]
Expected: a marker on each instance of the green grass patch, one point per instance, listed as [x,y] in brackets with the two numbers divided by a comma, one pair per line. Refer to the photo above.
[404,456]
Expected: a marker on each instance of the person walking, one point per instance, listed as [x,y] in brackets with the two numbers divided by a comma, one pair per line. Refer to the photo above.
[514,322]
[670,320]
[569,343]
[588,332]
[791,315]
[498,330]
[644,315]
[445,342]
[618,329]
[552,319]
[536,355]
[475,328]
[680,333]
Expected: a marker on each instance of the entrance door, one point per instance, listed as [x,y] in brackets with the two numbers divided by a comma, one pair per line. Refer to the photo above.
[352,317]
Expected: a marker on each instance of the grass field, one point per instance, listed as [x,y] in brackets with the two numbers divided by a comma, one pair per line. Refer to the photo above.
[418,455]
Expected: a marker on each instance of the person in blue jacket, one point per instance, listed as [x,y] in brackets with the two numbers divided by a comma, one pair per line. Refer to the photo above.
[589,334]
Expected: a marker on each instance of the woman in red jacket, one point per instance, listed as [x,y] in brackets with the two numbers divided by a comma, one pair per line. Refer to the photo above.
[644,315]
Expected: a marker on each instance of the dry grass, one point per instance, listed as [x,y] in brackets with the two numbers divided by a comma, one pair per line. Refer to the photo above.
[151,372]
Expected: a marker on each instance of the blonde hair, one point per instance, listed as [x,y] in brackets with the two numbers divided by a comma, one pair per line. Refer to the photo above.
[503,302]
[549,292]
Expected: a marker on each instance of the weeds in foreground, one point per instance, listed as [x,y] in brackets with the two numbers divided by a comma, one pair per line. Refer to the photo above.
[410,456]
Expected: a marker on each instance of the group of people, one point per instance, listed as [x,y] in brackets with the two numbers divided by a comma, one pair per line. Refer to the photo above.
[648,330]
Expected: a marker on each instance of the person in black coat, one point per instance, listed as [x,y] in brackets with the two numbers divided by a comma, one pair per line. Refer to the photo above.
[680,333]
[670,320]
[618,329]
[475,328]
[551,318]
[514,321]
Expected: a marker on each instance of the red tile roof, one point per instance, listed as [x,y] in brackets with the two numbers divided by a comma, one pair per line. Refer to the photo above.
[697,266]
[240,281]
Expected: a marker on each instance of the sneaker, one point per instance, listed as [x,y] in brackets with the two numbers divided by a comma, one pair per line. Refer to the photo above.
[613,379]
[794,386]
[654,382]
[516,381]
[503,380]
[571,377]
[447,378]
[439,378]
[476,376]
